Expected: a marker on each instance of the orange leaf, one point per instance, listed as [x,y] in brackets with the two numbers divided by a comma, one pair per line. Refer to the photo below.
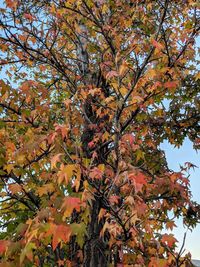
[101,214]
[170,225]
[70,204]
[55,160]
[46,188]
[172,84]
[28,16]
[15,188]
[168,239]
[61,233]
[138,177]
[157,45]
[11,4]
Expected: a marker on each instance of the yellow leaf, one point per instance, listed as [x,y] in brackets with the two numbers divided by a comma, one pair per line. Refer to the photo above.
[9,168]
[45,189]
[21,158]
[123,90]
[123,68]
[197,77]
[67,171]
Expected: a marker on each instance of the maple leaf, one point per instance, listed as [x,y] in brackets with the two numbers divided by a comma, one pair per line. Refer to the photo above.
[15,188]
[70,204]
[79,229]
[55,160]
[111,74]
[171,84]
[12,4]
[45,189]
[3,246]
[170,225]
[169,240]
[96,173]
[123,68]
[139,179]
[158,45]
[67,172]
[62,129]
[61,233]
[28,16]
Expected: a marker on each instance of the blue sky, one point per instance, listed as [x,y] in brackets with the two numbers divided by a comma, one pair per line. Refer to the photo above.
[175,158]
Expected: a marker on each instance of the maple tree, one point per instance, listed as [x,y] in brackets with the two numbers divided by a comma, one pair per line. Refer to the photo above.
[93,89]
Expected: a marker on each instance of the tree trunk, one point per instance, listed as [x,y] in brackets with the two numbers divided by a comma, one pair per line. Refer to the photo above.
[94,249]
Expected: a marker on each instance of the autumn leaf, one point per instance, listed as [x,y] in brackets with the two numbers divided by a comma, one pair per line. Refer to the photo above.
[123,68]
[171,84]
[55,160]
[170,225]
[11,4]
[3,246]
[60,233]
[157,45]
[138,177]
[45,189]
[66,173]
[169,240]
[111,74]
[27,252]
[70,204]
[28,16]
[96,173]
[15,188]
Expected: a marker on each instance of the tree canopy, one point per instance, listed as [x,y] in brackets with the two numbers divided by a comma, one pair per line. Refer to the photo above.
[91,89]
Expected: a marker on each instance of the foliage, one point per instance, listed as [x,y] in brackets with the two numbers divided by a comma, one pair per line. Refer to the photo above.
[94,88]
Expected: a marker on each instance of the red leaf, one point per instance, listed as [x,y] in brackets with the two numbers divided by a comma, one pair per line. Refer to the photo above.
[171,85]
[114,199]
[28,16]
[3,246]
[168,239]
[157,45]
[96,173]
[170,225]
[139,179]
[111,74]
[91,144]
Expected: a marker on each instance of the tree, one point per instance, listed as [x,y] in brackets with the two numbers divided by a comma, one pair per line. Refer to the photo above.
[93,89]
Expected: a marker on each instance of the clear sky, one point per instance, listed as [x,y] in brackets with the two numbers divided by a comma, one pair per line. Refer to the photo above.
[175,158]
